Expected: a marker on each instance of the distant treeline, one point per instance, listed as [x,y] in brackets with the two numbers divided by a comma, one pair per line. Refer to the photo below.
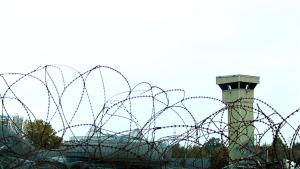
[218,153]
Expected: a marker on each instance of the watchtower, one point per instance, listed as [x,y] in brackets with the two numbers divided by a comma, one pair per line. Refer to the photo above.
[238,94]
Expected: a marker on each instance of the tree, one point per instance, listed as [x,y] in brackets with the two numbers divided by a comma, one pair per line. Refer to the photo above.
[218,153]
[219,157]
[278,150]
[212,144]
[178,151]
[41,134]
[197,151]
[296,153]
[194,151]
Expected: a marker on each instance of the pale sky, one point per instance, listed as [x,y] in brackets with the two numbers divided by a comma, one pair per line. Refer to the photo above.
[169,43]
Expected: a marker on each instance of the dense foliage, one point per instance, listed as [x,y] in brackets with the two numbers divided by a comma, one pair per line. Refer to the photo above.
[41,134]
[218,154]
[213,150]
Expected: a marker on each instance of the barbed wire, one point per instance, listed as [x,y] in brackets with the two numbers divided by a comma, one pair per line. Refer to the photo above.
[104,121]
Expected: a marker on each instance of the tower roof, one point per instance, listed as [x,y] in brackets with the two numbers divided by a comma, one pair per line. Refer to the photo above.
[237,81]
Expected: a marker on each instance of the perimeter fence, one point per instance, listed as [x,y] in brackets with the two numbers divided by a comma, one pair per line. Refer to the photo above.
[58,117]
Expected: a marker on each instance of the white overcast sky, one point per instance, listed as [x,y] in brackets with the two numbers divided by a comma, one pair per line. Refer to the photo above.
[169,43]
